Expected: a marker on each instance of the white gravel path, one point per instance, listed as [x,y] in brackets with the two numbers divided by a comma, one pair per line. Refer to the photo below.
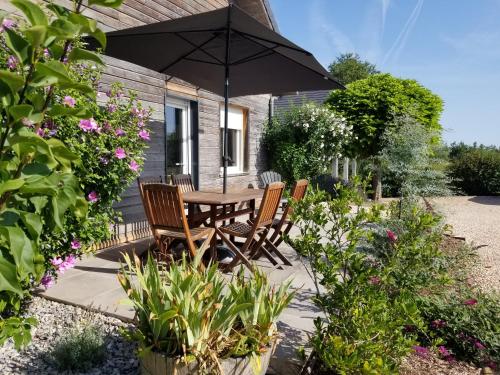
[478,220]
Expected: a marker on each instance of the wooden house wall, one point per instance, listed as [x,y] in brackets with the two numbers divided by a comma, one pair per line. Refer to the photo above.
[151,90]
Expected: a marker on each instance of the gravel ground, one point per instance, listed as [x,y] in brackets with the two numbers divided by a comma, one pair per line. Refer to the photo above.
[478,220]
[415,365]
[54,320]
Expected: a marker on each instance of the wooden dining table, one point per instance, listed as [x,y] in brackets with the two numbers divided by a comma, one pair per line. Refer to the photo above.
[223,206]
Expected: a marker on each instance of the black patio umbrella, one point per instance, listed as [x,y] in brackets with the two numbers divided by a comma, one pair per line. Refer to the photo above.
[225,51]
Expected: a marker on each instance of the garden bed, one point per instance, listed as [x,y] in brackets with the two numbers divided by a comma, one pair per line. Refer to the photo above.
[55,320]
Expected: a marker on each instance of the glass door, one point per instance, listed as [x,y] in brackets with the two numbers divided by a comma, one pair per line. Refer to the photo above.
[178,137]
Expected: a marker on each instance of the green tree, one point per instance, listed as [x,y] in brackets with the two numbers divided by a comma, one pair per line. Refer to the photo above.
[349,67]
[370,106]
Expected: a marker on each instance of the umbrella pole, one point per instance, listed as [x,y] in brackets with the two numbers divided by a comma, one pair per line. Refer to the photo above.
[226,97]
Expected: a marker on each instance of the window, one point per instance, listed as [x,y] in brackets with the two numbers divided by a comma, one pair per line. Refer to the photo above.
[236,139]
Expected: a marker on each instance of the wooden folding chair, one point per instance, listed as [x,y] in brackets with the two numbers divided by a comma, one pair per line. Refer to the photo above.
[165,212]
[256,232]
[283,225]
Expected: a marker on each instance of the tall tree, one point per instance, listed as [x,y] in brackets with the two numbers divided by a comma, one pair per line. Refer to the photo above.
[371,104]
[349,67]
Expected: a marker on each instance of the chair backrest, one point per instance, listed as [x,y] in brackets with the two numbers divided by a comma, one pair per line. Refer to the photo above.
[298,192]
[269,177]
[164,206]
[269,204]
[184,182]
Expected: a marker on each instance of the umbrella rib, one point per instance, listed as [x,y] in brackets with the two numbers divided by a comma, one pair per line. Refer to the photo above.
[201,61]
[288,58]
[187,54]
[252,37]
[200,47]
[255,56]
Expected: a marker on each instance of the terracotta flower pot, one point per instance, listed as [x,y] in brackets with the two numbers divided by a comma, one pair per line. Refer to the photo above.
[159,364]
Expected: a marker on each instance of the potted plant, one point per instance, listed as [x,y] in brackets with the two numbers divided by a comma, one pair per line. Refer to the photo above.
[192,320]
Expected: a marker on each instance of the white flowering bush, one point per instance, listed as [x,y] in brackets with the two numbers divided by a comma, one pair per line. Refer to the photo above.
[303,142]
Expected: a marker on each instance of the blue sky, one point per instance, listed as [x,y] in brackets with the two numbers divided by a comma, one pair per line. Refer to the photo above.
[450,46]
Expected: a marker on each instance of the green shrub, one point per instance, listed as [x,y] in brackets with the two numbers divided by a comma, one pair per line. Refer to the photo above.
[192,312]
[302,143]
[411,163]
[81,349]
[37,181]
[366,310]
[120,125]
[466,323]
[475,170]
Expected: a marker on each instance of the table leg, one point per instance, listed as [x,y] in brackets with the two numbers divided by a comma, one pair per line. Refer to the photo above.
[232,209]
[190,213]
[252,206]
[213,220]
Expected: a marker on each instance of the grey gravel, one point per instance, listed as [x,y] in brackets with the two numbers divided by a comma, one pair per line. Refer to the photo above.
[54,320]
[478,220]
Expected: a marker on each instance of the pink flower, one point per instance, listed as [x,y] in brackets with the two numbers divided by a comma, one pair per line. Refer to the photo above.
[12,62]
[438,323]
[111,108]
[120,153]
[56,262]
[443,351]
[75,244]
[69,101]
[47,281]
[46,53]
[93,197]
[40,132]
[27,122]
[6,24]
[88,125]
[144,135]
[69,262]
[421,351]
[107,127]
[119,132]
[374,280]
[140,123]
[479,345]
[470,302]
[391,235]
[133,165]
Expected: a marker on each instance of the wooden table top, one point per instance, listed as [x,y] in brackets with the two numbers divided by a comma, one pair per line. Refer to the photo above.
[219,199]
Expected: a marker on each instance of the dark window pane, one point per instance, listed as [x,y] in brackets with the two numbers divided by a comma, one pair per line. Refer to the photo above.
[232,149]
[174,140]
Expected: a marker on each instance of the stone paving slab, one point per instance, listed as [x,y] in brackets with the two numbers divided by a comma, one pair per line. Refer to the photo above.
[93,283]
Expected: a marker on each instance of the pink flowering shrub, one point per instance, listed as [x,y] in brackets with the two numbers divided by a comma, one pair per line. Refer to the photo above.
[111,144]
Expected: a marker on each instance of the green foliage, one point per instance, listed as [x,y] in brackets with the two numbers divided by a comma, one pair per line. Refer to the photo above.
[302,143]
[371,104]
[475,170]
[368,265]
[466,322]
[37,183]
[120,122]
[349,67]
[188,312]
[411,163]
[365,313]
[81,349]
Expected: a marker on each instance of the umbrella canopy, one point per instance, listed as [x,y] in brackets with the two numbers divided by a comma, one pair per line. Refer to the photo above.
[225,51]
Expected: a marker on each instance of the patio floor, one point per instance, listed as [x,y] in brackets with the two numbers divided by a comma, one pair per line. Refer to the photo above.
[93,283]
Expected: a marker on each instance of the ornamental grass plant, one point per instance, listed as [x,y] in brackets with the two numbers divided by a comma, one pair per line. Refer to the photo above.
[192,313]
